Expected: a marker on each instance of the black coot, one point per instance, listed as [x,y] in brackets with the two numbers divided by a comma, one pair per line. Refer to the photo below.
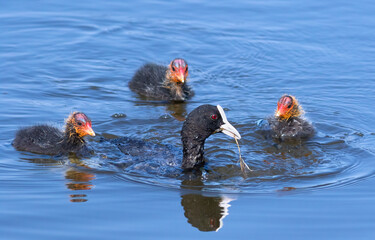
[199,125]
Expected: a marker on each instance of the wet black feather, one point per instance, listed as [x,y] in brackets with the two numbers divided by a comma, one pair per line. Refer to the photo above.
[295,128]
[45,139]
[196,129]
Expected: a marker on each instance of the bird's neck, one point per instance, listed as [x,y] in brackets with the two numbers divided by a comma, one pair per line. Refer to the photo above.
[286,120]
[71,137]
[296,111]
[193,148]
[176,88]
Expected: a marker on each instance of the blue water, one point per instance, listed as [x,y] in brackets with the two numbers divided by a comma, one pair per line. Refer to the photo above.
[56,58]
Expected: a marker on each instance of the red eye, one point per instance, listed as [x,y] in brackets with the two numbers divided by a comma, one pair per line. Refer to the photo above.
[213,116]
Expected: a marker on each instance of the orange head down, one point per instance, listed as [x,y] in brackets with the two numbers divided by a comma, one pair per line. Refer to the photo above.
[178,71]
[81,124]
[288,107]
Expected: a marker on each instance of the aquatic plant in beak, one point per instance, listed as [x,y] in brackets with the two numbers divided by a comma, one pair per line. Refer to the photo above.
[229,130]
[245,169]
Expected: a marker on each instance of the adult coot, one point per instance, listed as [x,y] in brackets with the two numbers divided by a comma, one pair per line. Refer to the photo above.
[45,139]
[198,126]
[288,122]
[161,82]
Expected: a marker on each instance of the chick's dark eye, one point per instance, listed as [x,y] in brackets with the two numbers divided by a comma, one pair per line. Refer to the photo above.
[213,116]
[79,123]
[174,69]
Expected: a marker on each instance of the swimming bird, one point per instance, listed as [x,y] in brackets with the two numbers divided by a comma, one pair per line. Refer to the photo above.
[201,123]
[45,139]
[288,122]
[161,82]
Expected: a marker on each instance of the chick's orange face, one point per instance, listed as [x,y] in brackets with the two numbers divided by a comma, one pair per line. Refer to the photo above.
[82,125]
[179,70]
[284,106]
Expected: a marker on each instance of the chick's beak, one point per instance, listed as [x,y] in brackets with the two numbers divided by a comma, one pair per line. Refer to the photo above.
[89,131]
[281,110]
[227,128]
[181,76]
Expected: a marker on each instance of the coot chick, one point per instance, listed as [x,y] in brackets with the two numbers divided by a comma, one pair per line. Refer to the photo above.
[45,139]
[202,122]
[161,82]
[288,122]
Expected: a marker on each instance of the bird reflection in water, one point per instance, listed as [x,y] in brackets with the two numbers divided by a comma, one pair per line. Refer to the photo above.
[79,180]
[206,213]
[175,109]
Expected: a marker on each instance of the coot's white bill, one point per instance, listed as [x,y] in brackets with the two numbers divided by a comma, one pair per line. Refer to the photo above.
[227,128]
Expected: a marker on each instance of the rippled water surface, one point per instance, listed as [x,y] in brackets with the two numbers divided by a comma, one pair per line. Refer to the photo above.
[56,58]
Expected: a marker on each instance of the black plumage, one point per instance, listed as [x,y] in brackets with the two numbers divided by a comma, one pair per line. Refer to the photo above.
[45,139]
[199,125]
[295,128]
[161,82]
